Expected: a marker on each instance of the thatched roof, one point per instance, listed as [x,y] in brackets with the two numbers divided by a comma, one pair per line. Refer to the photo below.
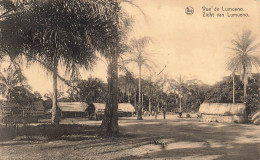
[35,108]
[122,107]
[125,107]
[72,106]
[223,108]
[256,116]
[99,106]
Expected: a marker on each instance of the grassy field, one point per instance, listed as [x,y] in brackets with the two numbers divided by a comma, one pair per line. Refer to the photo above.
[173,138]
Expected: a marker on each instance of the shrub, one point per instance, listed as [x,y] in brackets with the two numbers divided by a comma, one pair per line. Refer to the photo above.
[8,133]
[52,132]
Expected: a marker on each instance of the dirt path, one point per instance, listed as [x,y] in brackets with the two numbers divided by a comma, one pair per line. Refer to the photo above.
[173,138]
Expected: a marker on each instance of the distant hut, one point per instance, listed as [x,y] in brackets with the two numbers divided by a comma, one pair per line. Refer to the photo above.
[256,118]
[223,112]
[98,111]
[73,109]
[21,113]
[125,109]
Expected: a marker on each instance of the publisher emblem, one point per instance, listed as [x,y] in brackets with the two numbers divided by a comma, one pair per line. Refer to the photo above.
[189,10]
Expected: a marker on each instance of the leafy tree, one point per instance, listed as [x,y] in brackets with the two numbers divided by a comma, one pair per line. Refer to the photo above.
[127,85]
[182,87]
[222,92]
[242,61]
[91,90]
[37,95]
[10,79]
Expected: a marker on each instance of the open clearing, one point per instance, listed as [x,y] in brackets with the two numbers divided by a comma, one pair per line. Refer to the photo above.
[173,138]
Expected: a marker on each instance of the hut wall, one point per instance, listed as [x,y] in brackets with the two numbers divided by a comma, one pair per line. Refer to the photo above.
[223,112]
[223,118]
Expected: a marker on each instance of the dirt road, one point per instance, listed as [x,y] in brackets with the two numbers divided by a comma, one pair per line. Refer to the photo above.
[173,138]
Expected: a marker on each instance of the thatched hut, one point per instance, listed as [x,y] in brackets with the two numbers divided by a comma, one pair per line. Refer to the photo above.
[124,109]
[256,118]
[73,109]
[21,113]
[223,112]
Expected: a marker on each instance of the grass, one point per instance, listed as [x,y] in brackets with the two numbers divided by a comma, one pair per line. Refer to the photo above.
[48,131]
[173,138]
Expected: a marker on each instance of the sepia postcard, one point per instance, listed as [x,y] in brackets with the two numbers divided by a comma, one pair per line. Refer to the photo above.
[130,79]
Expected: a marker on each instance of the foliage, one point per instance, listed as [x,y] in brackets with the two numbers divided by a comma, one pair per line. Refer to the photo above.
[243,59]
[45,131]
[91,90]
[137,55]
[14,87]
[222,92]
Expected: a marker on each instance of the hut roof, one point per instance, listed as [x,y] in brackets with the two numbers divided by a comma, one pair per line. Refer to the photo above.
[122,107]
[223,108]
[35,108]
[72,106]
[99,106]
[126,107]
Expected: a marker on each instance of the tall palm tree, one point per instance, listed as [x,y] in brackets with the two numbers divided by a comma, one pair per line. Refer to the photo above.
[243,60]
[138,56]
[65,33]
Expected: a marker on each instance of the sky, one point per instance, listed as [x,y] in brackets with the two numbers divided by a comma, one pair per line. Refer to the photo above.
[189,45]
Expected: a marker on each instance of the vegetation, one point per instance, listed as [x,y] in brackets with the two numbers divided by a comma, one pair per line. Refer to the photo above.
[138,56]
[222,92]
[91,90]
[243,60]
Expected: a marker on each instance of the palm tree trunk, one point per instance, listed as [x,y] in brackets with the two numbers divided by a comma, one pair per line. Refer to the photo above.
[150,107]
[55,118]
[128,95]
[180,105]
[135,101]
[110,119]
[245,80]
[245,94]
[139,117]
[142,103]
[233,88]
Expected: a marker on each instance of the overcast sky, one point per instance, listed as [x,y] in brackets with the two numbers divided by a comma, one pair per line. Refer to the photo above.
[190,45]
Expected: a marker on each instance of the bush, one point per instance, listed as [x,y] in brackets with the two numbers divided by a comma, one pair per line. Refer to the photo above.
[8,133]
[53,132]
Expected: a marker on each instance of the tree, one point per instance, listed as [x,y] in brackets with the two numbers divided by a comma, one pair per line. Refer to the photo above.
[66,33]
[9,80]
[181,86]
[127,84]
[242,61]
[138,56]
[91,90]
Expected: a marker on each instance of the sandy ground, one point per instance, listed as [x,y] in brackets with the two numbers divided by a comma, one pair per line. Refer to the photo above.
[173,138]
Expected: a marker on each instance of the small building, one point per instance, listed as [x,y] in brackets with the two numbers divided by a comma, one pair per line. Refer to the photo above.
[21,113]
[256,118]
[73,109]
[125,109]
[98,110]
[223,112]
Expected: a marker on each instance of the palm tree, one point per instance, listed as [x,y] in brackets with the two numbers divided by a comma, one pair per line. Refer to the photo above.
[9,80]
[137,50]
[242,60]
[65,33]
